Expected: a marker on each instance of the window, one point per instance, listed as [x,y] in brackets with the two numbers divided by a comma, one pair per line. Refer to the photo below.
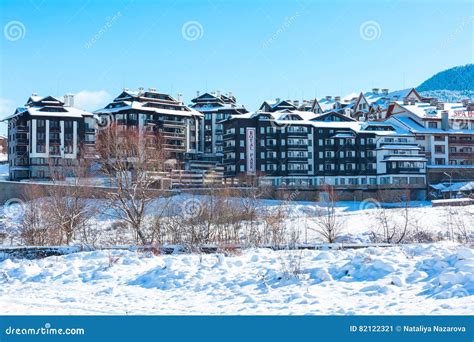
[40,148]
[242,155]
[242,143]
[242,130]
[432,124]
[40,123]
[242,168]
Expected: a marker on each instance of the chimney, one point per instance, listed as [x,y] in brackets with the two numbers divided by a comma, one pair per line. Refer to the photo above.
[141,89]
[180,96]
[218,93]
[405,101]
[328,98]
[230,94]
[465,102]
[296,103]
[197,93]
[445,120]
[153,90]
[337,98]
[375,90]
[385,91]
[433,102]
[34,94]
[69,100]
[277,100]
[440,106]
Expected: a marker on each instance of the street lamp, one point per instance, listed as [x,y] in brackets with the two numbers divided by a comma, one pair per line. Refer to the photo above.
[450,182]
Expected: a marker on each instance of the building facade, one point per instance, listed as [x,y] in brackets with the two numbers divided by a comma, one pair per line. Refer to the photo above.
[47,132]
[285,147]
[444,131]
[155,112]
[215,108]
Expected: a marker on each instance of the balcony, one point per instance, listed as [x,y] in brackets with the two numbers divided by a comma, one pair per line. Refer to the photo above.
[399,170]
[22,142]
[462,155]
[461,142]
[55,142]
[172,147]
[173,123]
[22,128]
[297,172]
[297,145]
[173,135]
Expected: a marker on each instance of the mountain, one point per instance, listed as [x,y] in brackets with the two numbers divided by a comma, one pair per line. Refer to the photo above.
[450,85]
[458,78]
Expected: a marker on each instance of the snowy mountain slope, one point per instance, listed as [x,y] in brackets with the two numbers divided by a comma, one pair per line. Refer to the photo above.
[423,279]
[459,78]
[452,85]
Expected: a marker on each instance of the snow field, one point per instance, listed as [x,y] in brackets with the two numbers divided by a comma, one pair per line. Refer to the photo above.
[414,279]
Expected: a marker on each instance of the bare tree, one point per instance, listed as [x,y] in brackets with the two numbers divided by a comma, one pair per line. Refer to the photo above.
[69,201]
[394,223]
[35,226]
[329,225]
[131,159]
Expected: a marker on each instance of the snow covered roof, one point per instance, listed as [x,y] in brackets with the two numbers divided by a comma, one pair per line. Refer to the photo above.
[412,124]
[48,106]
[137,101]
[458,186]
[428,111]
[399,147]
[218,108]
[405,158]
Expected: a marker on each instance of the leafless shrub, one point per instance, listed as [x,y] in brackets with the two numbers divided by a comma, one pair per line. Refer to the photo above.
[394,224]
[290,264]
[329,225]
[460,223]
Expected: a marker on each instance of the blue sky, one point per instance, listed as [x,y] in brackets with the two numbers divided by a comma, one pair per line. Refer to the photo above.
[256,49]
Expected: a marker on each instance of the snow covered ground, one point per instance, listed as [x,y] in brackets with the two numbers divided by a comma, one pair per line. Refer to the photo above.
[416,279]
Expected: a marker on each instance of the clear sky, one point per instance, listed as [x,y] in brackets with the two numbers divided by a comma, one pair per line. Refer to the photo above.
[256,49]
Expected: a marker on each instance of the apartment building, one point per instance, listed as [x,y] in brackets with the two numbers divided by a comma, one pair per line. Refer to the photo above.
[290,147]
[45,132]
[155,112]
